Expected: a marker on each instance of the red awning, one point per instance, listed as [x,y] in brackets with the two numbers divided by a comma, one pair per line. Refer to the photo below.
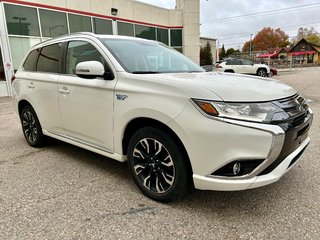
[302,53]
[267,55]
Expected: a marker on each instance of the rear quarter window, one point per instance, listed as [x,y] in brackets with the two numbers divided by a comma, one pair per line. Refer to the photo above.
[30,63]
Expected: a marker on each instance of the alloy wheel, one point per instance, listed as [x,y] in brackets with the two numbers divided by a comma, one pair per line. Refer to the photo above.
[29,126]
[153,165]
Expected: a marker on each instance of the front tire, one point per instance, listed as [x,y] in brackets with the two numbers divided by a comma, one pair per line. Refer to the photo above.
[31,127]
[157,165]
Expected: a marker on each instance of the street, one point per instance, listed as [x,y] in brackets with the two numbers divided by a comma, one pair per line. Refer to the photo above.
[63,192]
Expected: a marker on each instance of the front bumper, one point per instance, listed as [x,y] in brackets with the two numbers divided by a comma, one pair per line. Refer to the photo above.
[213,143]
[208,183]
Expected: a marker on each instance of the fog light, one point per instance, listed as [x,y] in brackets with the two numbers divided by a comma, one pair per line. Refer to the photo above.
[236,168]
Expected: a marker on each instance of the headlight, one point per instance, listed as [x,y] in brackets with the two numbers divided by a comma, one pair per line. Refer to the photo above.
[256,112]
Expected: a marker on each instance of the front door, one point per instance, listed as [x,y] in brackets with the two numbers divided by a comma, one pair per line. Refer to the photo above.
[86,105]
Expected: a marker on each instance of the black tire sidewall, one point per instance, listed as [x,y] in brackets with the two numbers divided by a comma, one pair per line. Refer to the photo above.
[39,139]
[181,181]
[262,70]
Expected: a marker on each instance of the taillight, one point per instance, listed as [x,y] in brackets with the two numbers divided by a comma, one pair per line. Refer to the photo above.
[218,66]
[13,78]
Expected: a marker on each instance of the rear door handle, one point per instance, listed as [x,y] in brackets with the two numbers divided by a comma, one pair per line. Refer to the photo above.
[31,85]
[64,90]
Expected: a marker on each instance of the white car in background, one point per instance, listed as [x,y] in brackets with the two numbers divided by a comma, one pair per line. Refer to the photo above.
[178,126]
[234,65]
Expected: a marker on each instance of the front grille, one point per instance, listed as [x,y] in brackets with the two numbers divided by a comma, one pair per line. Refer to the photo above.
[297,110]
[296,128]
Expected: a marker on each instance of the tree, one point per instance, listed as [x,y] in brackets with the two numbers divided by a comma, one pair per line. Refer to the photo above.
[246,47]
[206,55]
[267,38]
[229,52]
[222,54]
[311,35]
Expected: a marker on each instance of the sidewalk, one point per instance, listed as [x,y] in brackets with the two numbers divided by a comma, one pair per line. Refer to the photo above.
[288,70]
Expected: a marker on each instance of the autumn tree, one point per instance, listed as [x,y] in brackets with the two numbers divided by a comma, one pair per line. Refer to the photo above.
[268,38]
[311,35]
[246,47]
[206,55]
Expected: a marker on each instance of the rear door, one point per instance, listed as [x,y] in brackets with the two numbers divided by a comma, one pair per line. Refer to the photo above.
[86,105]
[39,84]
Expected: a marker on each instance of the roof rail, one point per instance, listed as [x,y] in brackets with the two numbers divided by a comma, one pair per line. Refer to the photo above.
[68,34]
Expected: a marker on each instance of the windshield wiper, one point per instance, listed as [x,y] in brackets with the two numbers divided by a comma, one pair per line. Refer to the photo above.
[144,72]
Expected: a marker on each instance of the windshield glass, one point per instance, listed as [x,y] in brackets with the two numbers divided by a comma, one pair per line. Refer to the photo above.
[144,57]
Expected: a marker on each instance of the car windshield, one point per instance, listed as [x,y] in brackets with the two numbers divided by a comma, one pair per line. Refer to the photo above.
[146,57]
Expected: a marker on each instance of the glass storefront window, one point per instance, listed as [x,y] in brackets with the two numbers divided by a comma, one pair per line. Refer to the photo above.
[79,23]
[102,26]
[176,37]
[53,23]
[145,32]
[19,47]
[22,20]
[125,29]
[162,35]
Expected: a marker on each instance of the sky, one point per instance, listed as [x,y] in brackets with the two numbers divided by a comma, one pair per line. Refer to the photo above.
[215,19]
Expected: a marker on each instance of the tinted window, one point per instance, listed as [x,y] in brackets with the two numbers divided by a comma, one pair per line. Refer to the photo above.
[49,59]
[79,23]
[80,51]
[125,29]
[31,62]
[102,26]
[22,20]
[234,62]
[176,37]
[53,23]
[246,62]
[162,35]
[145,32]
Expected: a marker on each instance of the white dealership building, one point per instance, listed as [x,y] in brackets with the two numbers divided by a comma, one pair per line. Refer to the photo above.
[28,22]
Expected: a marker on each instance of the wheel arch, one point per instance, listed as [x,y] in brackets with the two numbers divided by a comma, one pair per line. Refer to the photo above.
[138,123]
[22,103]
[229,71]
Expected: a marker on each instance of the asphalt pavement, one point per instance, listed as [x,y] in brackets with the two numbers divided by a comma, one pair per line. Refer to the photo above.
[63,192]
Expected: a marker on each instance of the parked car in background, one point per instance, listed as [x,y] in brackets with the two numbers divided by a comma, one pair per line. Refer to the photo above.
[208,68]
[137,100]
[273,72]
[234,65]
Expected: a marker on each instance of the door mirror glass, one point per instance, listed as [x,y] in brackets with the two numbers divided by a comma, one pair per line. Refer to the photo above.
[90,69]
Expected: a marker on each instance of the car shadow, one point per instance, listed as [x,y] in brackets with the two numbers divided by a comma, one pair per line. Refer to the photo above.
[252,202]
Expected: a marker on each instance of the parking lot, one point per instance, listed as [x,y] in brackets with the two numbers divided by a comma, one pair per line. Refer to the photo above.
[64,192]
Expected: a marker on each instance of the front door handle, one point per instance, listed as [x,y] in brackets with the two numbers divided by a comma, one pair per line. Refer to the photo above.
[64,90]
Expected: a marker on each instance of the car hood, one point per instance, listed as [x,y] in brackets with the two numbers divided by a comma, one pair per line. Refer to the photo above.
[228,86]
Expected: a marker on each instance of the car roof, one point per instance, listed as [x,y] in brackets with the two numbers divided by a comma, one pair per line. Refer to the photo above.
[88,35]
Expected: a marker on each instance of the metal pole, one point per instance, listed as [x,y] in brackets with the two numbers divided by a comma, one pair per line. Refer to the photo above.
[251,46]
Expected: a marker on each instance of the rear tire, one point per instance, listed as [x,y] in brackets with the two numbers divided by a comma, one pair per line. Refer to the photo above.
[157,165]
[262,72]
[31,127]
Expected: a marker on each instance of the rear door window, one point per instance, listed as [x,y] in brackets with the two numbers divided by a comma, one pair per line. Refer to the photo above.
[50,59]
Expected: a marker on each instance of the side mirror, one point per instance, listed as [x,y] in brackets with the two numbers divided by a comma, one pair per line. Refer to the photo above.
[90,69]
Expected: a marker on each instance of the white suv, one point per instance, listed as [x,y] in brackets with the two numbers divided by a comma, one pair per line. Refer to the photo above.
[178,126]
[233,65]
